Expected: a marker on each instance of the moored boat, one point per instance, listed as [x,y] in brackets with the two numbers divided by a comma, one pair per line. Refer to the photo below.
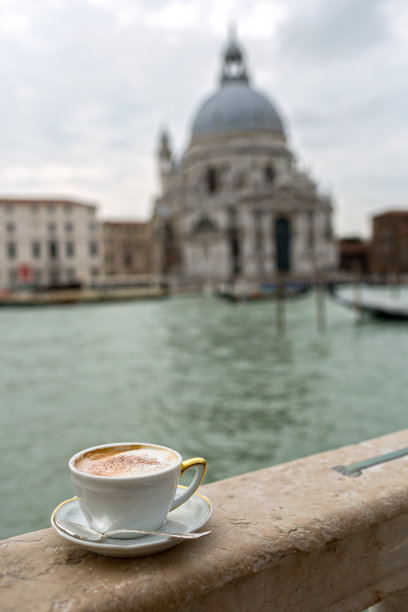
[379,307]
[266,291]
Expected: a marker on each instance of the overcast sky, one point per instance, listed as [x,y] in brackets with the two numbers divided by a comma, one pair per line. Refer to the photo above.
[87,85]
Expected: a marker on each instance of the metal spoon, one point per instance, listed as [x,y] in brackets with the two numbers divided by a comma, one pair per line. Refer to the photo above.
[82,532]
[355,469]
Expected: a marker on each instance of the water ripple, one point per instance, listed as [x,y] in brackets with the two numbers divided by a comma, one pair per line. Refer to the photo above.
[203,376]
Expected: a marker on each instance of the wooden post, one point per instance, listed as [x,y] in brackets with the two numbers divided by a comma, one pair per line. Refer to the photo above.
[280,303]
[320,302]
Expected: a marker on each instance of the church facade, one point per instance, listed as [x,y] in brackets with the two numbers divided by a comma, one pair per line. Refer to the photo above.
[235,206]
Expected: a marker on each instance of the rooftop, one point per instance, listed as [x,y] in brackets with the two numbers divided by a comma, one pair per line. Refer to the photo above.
[236,106]
[42,202]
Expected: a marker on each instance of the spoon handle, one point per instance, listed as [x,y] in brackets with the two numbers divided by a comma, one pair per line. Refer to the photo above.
[354,469]
[82,532]
[179,536]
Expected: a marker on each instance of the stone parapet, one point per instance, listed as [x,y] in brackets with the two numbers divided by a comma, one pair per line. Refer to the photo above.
[298,536]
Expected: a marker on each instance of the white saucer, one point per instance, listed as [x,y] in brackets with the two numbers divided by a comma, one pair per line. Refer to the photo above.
[191,516]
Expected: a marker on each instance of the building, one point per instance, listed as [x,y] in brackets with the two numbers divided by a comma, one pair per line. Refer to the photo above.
[46,242]
[354,256]
[127,247]
[236,206]
[389,246]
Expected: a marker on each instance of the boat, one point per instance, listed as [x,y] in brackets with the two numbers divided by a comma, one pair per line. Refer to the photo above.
[266,291]
[379,307]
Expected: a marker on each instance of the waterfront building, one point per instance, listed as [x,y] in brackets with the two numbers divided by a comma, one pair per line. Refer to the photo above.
[389,246]
[127,247]
[354,256]
[48,242]
[236,206]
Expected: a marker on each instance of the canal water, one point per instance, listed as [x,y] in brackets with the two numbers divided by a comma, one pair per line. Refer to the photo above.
[195,373]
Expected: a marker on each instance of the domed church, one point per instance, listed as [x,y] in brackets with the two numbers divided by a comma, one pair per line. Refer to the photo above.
[235,207]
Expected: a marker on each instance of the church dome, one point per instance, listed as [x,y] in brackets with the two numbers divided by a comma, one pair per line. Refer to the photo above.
[236,106]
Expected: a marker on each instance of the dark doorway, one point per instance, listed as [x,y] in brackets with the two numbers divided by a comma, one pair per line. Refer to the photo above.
[282,244]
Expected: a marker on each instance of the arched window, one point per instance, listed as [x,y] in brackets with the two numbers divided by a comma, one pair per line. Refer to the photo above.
[269,173]
[212,180]
[204,224]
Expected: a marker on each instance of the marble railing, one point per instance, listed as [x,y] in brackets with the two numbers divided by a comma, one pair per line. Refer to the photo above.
[298,536]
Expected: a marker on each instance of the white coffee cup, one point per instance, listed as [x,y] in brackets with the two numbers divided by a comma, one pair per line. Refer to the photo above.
[140,501]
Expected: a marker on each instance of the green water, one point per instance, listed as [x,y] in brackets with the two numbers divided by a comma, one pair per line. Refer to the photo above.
[197,374]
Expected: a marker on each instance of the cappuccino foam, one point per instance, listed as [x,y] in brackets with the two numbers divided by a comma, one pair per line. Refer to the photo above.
[125,461]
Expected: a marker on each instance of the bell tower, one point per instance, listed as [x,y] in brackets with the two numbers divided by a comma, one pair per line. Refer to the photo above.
[165,156]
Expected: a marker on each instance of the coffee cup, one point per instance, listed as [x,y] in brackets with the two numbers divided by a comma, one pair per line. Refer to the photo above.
[131,485]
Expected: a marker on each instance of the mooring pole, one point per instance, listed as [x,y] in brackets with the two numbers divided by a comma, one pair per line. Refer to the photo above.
[320,302]
[280,303]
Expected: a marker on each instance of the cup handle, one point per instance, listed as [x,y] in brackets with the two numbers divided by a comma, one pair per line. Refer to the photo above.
[201,467]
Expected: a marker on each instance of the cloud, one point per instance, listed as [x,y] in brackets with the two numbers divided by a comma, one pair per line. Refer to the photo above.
[89,83]
[337,29]
[51,173]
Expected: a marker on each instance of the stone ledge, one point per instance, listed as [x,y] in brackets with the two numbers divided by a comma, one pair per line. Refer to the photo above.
[296,536]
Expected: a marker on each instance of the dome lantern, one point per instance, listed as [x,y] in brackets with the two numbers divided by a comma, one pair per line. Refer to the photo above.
[233,68]
[236,106]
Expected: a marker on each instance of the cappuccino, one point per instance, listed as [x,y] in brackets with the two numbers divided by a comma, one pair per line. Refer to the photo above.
[129,460]
[131,485]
